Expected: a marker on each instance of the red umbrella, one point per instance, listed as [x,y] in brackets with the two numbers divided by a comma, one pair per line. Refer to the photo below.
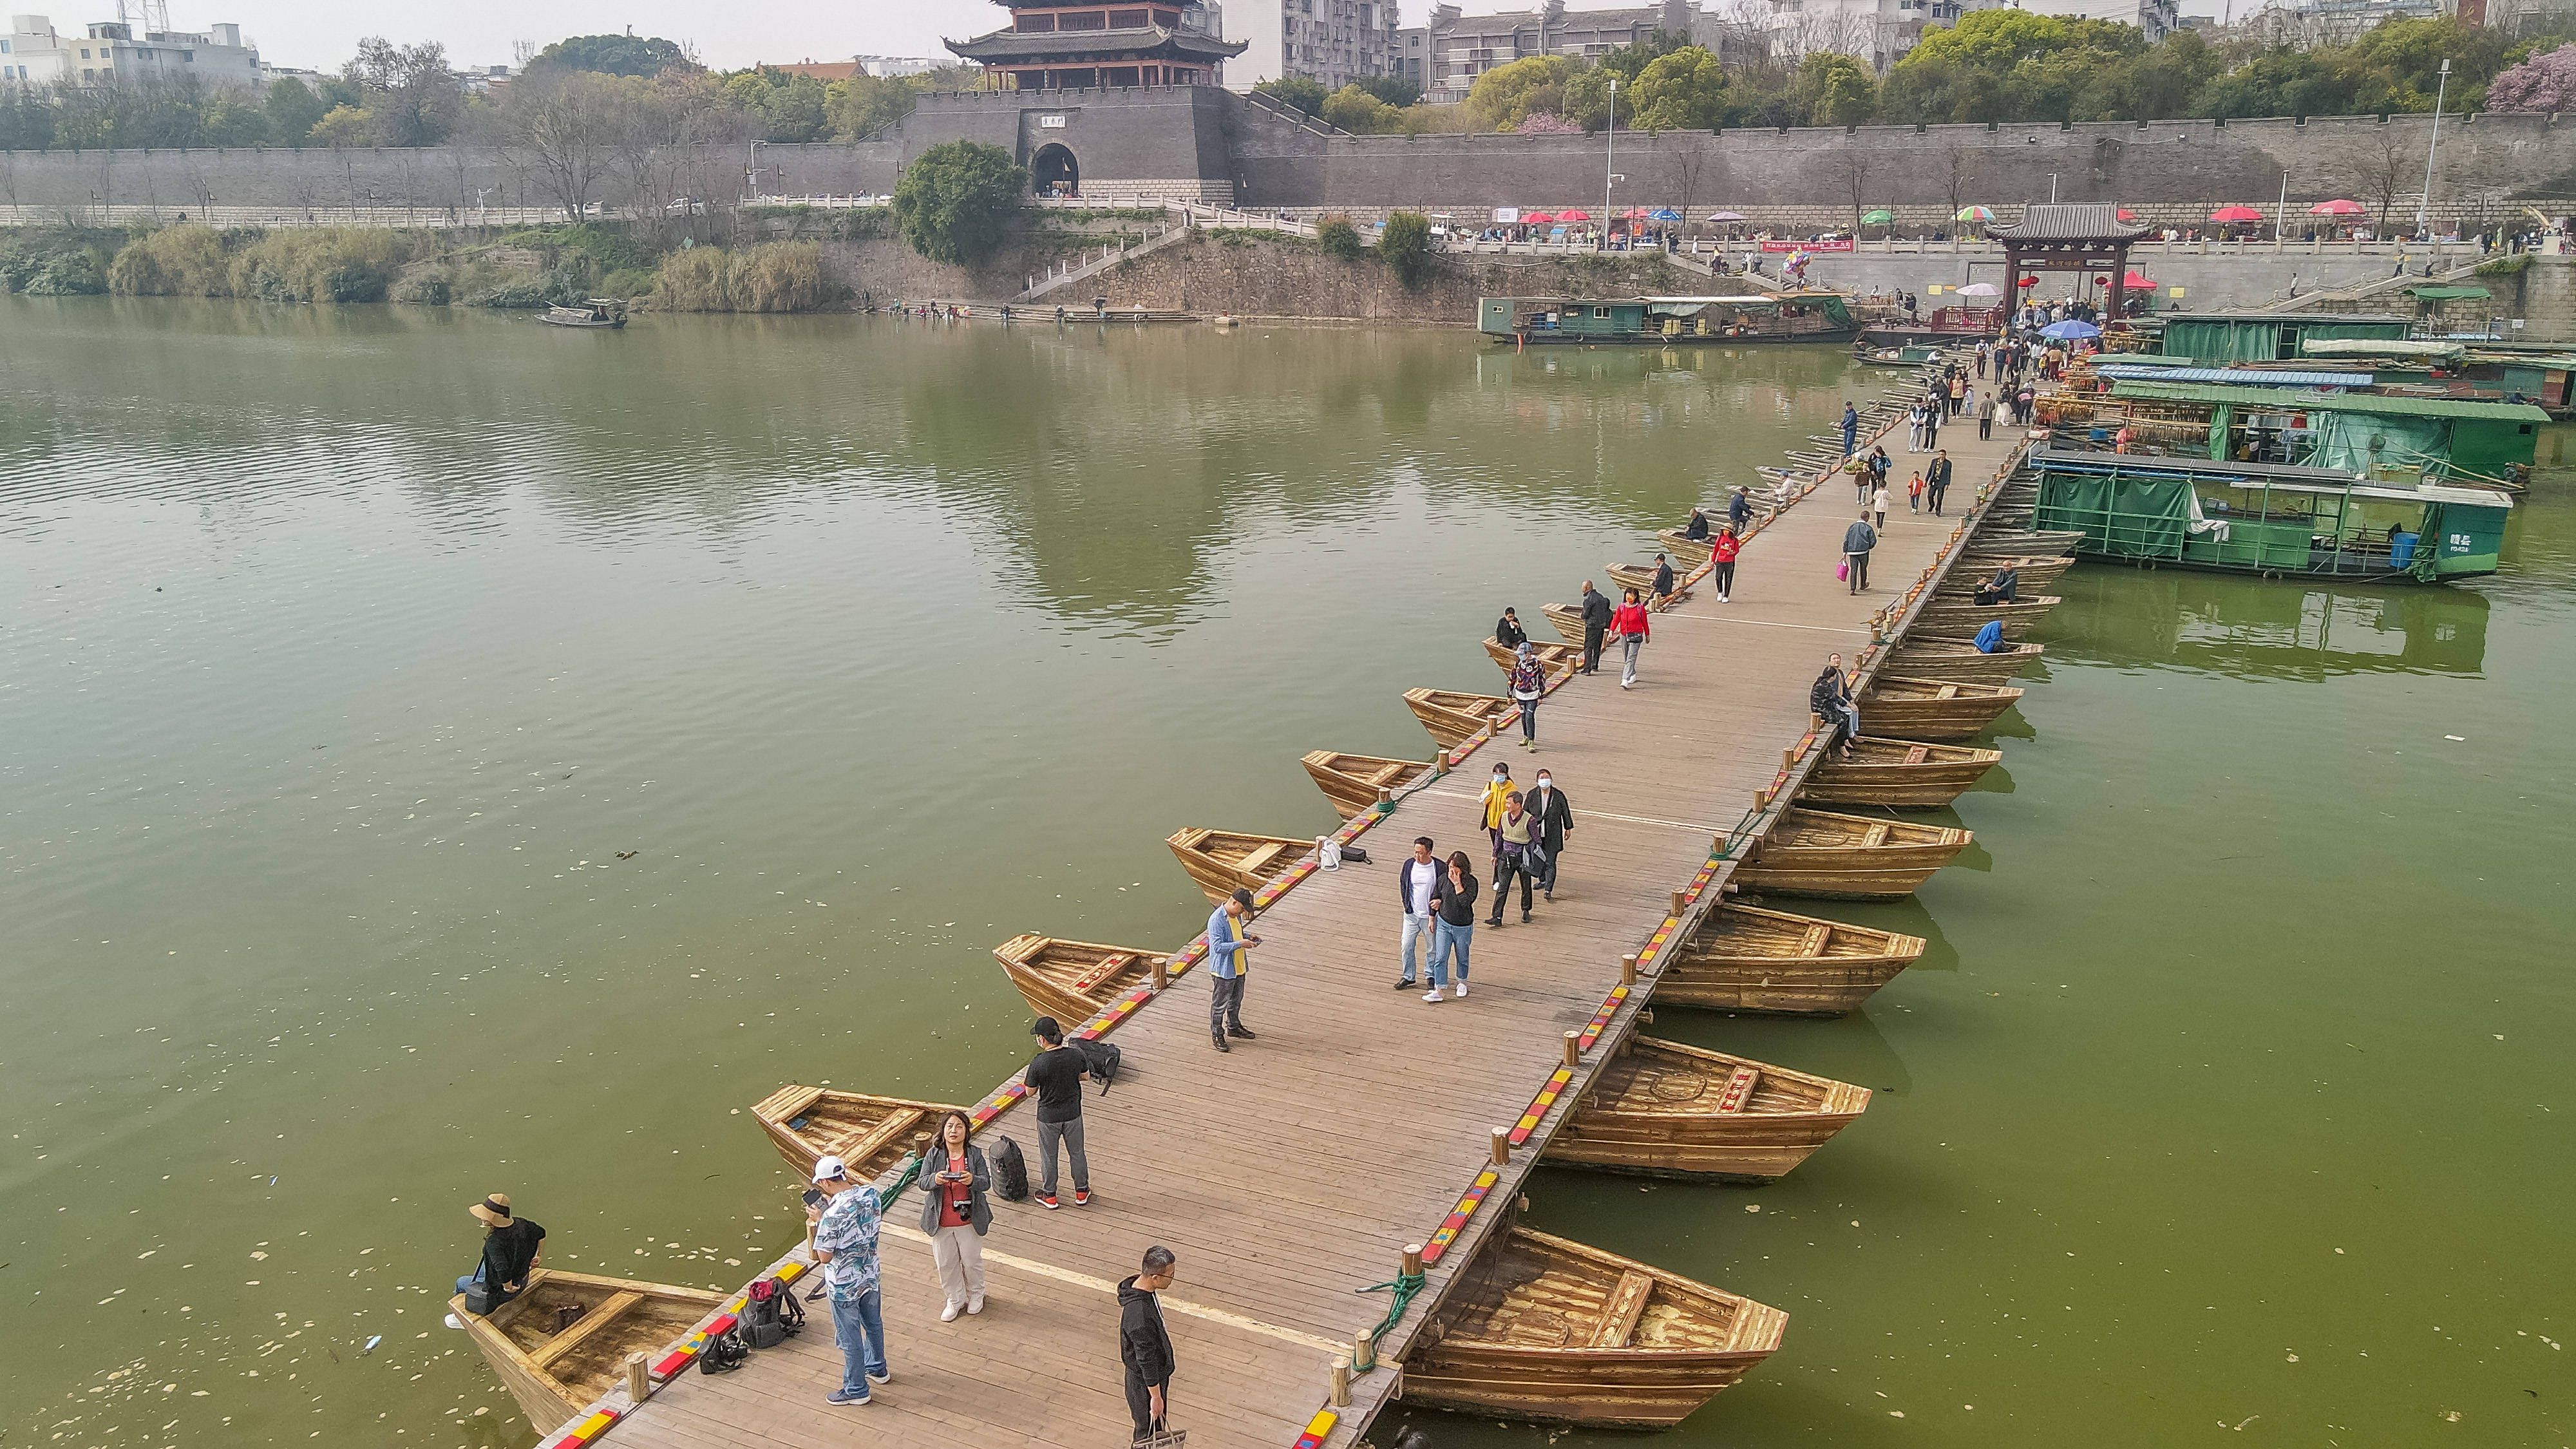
[1528,216]
[1636,213]
[2338,208]
[2028,282]
[1574,213]
[2125,214]
[2236,213]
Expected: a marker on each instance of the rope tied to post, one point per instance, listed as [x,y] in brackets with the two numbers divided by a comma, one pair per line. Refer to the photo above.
[1403,1286]
[905,1178]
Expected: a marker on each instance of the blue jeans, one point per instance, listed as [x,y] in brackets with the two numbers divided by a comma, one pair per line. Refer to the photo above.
[1448,940]
[1415,928]
[859,1328]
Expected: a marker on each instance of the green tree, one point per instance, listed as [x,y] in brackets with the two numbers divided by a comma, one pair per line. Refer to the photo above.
[1395,90]
[345,127]
[956,202]
[1502,96]
[1681,90]
[1361,114]
[791,107]
[292,110]
[410,93]
[1406,246]
[1835,90]
[1338,238]
[1297,91]
[644,55]
[866,106]
[233,117]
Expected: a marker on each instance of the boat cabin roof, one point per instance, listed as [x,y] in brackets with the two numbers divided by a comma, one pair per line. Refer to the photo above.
[2285,399]
[2246,376]
[2278,477]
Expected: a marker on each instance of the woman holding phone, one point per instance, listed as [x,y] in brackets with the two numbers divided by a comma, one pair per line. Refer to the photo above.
[955,1214]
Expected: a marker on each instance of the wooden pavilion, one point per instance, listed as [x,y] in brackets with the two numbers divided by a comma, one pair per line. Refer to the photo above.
[2069,238]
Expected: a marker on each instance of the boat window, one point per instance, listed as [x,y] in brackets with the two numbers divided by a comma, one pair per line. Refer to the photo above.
[1600,311]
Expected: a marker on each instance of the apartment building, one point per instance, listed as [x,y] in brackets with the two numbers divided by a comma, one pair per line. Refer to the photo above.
[1334,42]
[34,53]
[1445,55]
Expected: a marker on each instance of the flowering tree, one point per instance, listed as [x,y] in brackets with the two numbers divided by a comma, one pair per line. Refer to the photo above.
[2542,83]
[1547,123]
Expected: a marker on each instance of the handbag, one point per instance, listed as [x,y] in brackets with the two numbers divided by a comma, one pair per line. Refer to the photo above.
[1842,571]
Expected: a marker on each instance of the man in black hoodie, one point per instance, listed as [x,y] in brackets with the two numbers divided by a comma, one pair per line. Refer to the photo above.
[1144,1346]
[1596,624]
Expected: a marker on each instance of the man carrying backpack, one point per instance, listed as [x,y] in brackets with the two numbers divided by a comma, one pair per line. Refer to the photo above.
[845,1243]
[1056,1076]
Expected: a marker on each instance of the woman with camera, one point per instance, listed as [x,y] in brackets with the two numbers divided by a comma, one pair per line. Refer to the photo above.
[955,1214]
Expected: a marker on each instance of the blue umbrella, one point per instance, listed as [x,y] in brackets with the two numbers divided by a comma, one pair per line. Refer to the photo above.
[2070,330]
[1663,213]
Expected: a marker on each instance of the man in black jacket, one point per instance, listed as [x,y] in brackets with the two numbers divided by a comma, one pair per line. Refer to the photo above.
[1556,821]
[1596,624]
[1936,479]
[1144,1345]
[1508,631]
[1663,577]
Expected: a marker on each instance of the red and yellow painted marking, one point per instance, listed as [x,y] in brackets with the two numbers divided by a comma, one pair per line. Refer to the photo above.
[1601,1019]
[1539,1104]
[1456,1223]
[1317,1427]
[585,1430]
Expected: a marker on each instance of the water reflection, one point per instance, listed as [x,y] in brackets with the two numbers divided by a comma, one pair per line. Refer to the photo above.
[2254,628]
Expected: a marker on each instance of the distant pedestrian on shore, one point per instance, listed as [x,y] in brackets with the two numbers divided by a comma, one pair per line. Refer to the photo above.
[845,1243]
[1858,540]
[1596,623]
[1721,555]
[1830,697]
[1629,623]
[1489,810]
[1936,480]
[1456,926]
[1851,429]
[1739,510]
[1663,577]
[1055,1074]
[956,1214]
[1527,685]
[1516,854]
[1878,504]
[1229,963]
[1555,823]
[1508,631]
[1417,890]
[1145,1345]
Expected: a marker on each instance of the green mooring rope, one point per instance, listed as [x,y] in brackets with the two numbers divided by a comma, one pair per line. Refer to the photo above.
[904,1179]
[1404,1286]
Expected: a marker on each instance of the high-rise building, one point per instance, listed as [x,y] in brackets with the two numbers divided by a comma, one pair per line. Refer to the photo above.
[1058,45]
[1334,42]
[1446,55]
[34,53]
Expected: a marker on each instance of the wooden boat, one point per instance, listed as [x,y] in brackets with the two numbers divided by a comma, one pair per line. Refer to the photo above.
[1351,782]
[1662,1109]
[2025,540]
[1749,959]
[870,1134]
[1686,553]
[1542,1328]
[1945,615]
[2036,573]
[1897,774]
[1931,709]
[1553,659]
[1848,857]
[1933,656]
[1454,718]
[1568,619]
[562,1344]
[606,313]
[1223,862]
[1072,980]
[1641,577]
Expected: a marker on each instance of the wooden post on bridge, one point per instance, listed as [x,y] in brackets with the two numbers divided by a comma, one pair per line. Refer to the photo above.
[1574,1048]
[1502,1146]
[639,1377]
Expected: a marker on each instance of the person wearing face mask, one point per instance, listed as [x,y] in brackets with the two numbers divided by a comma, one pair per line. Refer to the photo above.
[1489,811]
[1517,852]
[1555,822]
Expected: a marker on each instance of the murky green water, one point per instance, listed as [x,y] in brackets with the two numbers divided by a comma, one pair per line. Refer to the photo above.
[342,653]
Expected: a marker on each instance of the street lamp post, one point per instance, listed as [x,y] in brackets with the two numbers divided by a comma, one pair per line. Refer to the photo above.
[1609,158]
[2052,188]
[2434,148]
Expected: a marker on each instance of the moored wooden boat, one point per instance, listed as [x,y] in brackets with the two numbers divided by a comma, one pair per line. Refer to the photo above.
[1848,857]
[1944,614]
[1568,619]
[562,1344]
[2035,573]
[1223,861]
[1641,577]
[1454,718]
[1663,1109]
[1351,782]
[1933,656]
[1898,774]
[1931,709]
[1072,980]
[1553,659]
[1687,553]
[2025,540]
[1542,1328]
[1750,959]
[869,1133]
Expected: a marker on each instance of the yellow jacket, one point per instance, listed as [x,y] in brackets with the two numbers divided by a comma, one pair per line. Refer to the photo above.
[1495,790]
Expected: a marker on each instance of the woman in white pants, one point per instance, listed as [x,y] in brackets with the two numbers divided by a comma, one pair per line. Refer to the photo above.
[955,1214]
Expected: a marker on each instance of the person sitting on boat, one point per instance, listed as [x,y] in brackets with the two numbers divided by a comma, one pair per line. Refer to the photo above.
[1830,697]
[512,1248]
[1990,636]
[1508,631]
[2003,588]
[1739,511]
[1697,531]
[1663,577]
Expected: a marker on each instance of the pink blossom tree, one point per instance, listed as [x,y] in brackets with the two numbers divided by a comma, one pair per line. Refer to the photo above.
[2542,83]
[1547,123]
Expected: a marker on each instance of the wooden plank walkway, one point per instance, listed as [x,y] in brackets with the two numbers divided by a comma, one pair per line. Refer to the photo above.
[1292,1171]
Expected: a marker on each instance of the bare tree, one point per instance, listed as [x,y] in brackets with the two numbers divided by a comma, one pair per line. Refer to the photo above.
[1850,170]
[563,129]
[1957,165]
[2383,165]
[1689,162]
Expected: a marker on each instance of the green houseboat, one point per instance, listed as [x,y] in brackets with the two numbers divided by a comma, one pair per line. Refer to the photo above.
[2401,440]
[2217,339]
[1806,316]
[2273,519]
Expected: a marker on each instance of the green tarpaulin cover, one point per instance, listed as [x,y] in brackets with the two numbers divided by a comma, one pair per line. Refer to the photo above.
[2121,517]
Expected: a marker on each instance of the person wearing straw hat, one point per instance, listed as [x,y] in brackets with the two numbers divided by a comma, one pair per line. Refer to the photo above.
[511,1248]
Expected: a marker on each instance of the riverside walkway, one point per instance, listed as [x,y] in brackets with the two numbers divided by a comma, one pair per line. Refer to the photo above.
[1295,1170]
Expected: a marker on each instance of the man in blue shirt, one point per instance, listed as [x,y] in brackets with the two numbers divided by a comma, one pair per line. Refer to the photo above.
[1229,956]
[845,1243]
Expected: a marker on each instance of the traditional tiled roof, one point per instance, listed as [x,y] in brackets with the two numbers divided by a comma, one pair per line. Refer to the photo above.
[1003,46]
[2088,222]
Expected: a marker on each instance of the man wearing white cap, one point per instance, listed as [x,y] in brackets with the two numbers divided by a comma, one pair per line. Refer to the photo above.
[845,1243]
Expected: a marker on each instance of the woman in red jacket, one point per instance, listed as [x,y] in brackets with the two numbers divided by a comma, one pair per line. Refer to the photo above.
[1628,626]
[1721,553]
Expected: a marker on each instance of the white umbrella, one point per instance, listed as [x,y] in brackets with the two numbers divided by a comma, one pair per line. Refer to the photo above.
[1981,289]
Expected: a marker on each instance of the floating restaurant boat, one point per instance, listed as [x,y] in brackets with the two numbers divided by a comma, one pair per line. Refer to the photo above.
[1749,959]
[1933,656]
[1351,782]
[1687,553]
[1947,615]
[1568,619]
[1546,1329]
[869,1133]
[2033,575]
[1552,658]
[1931,709]
[1454,718]
[1223,862]
[561,1345]
[1662,1109]
[1792,316]
[1848,857]
[1072,980]
[1897,774]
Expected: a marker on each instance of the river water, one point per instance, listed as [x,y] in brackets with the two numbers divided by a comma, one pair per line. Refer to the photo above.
[346,653]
